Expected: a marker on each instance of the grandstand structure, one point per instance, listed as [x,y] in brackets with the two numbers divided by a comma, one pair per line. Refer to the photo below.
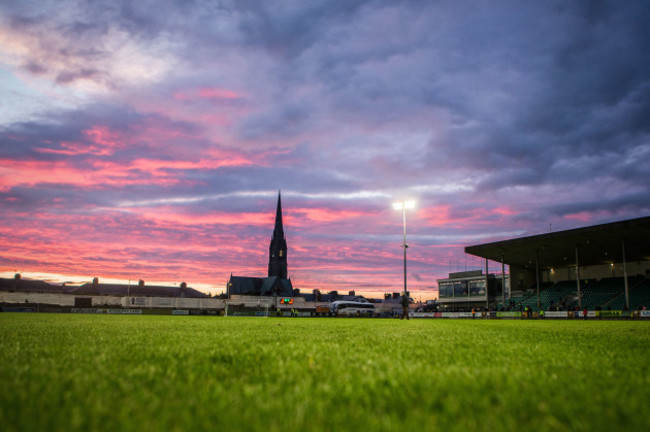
[603,266]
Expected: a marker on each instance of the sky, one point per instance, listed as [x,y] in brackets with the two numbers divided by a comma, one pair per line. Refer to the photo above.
[149,140]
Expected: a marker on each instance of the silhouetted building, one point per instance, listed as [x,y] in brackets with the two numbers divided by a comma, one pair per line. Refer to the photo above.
[139,290]
[278,246]
[277,281]
[18,284]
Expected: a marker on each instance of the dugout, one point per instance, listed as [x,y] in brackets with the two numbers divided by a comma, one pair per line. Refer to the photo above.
[612,250]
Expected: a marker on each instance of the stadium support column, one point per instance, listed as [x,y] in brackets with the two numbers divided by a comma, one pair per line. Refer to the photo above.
[627,291]
[487,294]
[578,279]
[503,279]
[406,293]
[539,301]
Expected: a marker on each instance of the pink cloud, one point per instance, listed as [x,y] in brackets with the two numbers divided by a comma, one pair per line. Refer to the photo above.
[438,215]
[217,93]
[106,173]
[326,215]
[504,211]
[206,93]
[101,141]
[104,137]
[167,216]
[446,215]
[584,217]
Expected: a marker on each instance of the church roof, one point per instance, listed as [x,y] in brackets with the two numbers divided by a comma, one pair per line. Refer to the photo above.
[281,285]
[244,285]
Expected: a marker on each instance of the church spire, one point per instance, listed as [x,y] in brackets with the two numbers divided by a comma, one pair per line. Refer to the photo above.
[278,247]
[278,230]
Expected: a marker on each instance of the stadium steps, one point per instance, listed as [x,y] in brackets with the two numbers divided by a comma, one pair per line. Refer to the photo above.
[595,294]
[639,291]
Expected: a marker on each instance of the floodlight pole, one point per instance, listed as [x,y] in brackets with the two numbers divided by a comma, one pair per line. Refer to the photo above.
[539,301]
[503,279]
[627,291]
[404,245]
[578,279]
[487,284]
[403,205]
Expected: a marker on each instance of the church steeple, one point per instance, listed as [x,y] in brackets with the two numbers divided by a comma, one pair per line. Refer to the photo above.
[278,230]
[278,246]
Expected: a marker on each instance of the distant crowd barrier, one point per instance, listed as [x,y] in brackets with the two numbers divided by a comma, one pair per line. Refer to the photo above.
[106,302]
[536,315]
[107,311]
[249,306]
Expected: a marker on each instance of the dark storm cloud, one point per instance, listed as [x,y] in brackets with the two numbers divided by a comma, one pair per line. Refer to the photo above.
[585,93]
[287,121]
[616,207]
[289,30]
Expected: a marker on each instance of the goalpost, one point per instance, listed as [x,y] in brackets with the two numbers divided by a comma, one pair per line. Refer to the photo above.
[263,308]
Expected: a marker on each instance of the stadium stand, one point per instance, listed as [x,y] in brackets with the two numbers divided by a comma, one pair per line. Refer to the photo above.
[551,296]
[639,296]
[598,255]
[595,294]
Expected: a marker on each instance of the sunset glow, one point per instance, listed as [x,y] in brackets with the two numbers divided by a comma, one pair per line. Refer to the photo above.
[151,143]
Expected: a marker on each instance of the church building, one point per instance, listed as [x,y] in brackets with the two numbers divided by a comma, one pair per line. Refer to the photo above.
[277,281]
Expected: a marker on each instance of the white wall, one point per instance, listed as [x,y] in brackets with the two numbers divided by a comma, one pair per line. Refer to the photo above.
[106,301]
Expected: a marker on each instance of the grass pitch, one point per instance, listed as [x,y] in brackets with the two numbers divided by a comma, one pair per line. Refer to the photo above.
[146,373]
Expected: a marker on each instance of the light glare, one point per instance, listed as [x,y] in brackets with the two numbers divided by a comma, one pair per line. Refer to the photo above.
[404,205]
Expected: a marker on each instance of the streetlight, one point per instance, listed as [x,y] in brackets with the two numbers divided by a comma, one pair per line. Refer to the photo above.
[403,205]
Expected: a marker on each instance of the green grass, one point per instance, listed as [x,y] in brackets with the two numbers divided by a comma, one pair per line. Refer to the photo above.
[146,373]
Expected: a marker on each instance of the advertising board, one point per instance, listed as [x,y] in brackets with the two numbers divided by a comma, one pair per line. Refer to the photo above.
[508,314]
[138,301]
[180,312]
[162,302]
[556,314]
